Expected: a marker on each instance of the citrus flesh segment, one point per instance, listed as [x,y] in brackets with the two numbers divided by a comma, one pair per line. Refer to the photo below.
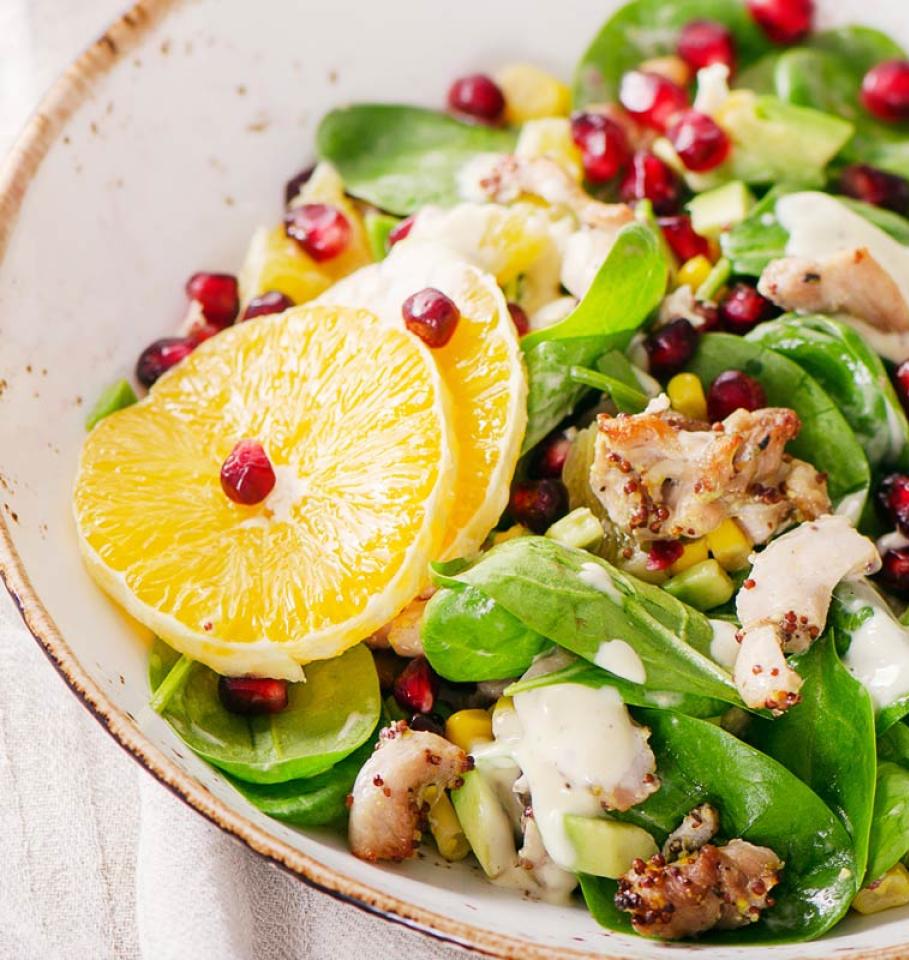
[482,369]
[354,418]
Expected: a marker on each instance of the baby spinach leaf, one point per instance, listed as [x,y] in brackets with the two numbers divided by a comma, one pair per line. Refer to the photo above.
[401,158]
[117,396]
[650,28]
[467,636]
[627,287]
[327,717]
[827,740]
[890,826]
[580,602]
[838,358]
[759,800]
[627,399]
[893,745]
[826,439]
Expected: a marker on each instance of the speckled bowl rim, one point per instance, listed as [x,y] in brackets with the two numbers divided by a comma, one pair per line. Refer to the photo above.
[16,173]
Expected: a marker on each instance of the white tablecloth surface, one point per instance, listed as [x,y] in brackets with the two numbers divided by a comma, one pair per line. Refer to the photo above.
[97,860]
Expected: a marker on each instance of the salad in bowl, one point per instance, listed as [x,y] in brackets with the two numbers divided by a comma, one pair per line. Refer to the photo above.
[538,487]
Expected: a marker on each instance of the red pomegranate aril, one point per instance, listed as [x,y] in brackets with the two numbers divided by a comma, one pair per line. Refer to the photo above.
[699,140]
[703,42]
[417,686]
[648,178]
[708,317]
[743,308]
[157,358]
[733,390]
[894,573]
[247,475]
[296,183]
[893,496]
[272,301]
[428,723]
[885,91]
[519,318]
[784,21]
[670,347]
[682,239]
[477,96]
[651,99]
[603,143]
[901,378]
[663,554]
[877,187]
[252,696]
[550,455]
[202,332]
[431,316]
[399,231]
[218,294]
[537,504]
[321,229]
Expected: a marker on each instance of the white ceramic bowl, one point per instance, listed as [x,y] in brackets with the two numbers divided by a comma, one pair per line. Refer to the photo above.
[156,155]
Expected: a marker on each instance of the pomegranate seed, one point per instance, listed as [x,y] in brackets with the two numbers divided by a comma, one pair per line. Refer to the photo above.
[894,574]
[202,332]
[878,187]
[648,178]
[699,140]
[272,301]
[682,239]
[663,554]
[537,504]
[399,231]
[416,687]
[321,229]
[519,318]
[733,390]
[603,145]
[252,695]
[885,90]
[157,358]
[247,475]
[651,99]
[428,723]
[703,42]
[296,183]
[743,308]
[902,383]
[550,456]
[893,496]
[709,317]
[669,348]
[784,21]
[477,96]
[217,294]
[431,316]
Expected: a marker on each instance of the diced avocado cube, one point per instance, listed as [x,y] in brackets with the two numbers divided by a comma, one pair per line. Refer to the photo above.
[485,824]
[378,227]
[117,396]
[719,209]
[704,586]
[607,848]
[580,529]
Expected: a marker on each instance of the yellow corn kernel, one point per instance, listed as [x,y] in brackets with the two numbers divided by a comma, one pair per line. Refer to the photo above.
[692,553]
[694,271]
[551,137]
[512,533]
[892,890]
[672,67]
[446,828]
[531,93]
[730,545]
[467,728]
[687,396]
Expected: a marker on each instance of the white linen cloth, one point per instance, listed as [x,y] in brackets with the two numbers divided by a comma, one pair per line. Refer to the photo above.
[98,861]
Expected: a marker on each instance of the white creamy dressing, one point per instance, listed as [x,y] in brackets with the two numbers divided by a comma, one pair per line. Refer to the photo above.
[724,647]
[599,578]
[878,656]
[619,657]
[819,226]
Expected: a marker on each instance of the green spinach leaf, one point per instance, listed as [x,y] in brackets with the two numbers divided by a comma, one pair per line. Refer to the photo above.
[826,439]
[401,158]
[890,826]
[327,717]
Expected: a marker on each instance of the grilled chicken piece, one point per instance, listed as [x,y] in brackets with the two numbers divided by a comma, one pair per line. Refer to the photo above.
[386,804]
[850,281]
[699,827]
[761,673]
[716,887]
[660,475]
[402,634]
